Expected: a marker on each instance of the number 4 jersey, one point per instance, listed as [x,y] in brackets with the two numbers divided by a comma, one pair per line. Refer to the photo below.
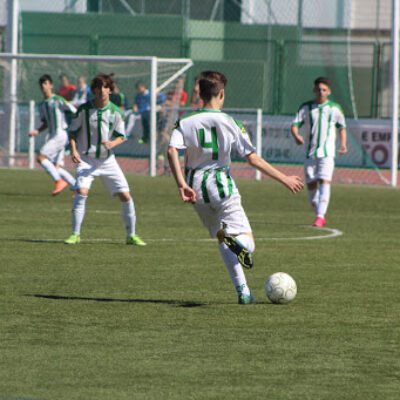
[208,138]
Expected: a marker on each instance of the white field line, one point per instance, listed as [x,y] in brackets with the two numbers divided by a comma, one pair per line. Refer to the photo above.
[331,234]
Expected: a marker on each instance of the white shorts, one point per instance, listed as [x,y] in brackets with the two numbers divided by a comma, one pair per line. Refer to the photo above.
[316,169]
[228,213]
[107,169]
[54,149]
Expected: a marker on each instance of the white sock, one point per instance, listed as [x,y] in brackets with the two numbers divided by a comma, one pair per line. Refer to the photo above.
[235,269]
[50,169]
[313,196]
[246,241]
[78,212]
[129,216]
[324,196]
[66,176]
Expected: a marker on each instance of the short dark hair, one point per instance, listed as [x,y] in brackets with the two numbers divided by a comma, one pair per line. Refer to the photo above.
[323,80]
[102,80]
[210,84]
[139,83]
[45,78]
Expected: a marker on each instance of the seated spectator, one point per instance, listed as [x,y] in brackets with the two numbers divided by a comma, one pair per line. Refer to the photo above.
[66,89]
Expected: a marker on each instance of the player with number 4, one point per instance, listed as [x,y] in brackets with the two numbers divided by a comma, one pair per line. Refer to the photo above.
[208,136]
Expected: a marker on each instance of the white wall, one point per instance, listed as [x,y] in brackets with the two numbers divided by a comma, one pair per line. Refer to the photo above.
[53,5]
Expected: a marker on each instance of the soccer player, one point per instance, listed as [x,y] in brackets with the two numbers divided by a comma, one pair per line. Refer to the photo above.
[142,106]
[97,128]
[321,118]
[53,112]
[208,137]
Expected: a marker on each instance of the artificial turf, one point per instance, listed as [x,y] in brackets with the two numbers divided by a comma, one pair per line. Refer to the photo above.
[102,320]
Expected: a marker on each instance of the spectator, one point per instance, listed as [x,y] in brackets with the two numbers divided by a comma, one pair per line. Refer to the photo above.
[142,106]
[82,93]
[66,89]
[119,98]
[195,100]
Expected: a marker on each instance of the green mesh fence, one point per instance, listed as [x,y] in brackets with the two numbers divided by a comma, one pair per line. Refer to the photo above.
[270,50]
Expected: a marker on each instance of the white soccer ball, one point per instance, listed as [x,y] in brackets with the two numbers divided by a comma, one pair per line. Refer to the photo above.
[281,288]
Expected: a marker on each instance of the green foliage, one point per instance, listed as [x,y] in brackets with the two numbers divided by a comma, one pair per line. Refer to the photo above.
[102,320]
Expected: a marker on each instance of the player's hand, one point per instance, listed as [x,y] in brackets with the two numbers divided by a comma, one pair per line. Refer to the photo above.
[298,139]
[108,144]
[33,133]
[294,183]
[76,157]
[343,149]
[188,195]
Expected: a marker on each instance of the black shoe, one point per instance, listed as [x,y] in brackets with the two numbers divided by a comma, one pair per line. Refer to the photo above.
[244,256]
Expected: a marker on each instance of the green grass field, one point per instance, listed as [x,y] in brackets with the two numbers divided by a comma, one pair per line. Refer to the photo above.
[103,320]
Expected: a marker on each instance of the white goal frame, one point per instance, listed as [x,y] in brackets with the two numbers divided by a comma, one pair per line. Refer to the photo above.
[155,88]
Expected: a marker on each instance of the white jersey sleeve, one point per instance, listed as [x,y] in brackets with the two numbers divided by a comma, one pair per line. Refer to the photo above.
[243,143]
[119,125]
[339,118]
[66,106]
[177,140]
[76,122]
[301,116]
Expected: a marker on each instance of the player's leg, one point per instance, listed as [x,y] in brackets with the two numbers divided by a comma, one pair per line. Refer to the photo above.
[324,174]
[64,173]
[211,221]
[145,127]
[48,166]
[85,175]
[115,182]
[310,167]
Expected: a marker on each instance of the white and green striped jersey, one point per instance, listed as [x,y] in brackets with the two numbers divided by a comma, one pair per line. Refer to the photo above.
[52,113]
[208,138]
[320,121]
[90,126]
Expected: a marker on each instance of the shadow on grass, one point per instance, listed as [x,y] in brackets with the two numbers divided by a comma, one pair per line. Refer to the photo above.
[187,304]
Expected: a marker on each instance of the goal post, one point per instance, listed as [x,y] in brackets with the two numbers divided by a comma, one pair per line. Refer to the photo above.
[157,74]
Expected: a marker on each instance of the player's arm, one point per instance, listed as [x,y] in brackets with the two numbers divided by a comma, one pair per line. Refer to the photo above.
[74,152]
[188,195]
[109,144]
[296,136]
[297,124]
[41,128]
[118,135]
[343,141]
[293,183]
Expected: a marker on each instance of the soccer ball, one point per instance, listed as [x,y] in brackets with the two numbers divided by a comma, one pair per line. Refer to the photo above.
[280,288]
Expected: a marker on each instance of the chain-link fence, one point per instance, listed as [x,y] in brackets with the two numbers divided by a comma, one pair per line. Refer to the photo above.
[270,50]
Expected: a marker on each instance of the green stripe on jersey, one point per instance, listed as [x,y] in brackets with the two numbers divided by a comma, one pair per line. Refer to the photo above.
[230,184]
[191,177]
[327,133]
[204,187]
[319,131]
[220,186]
[99,119]
[89,140]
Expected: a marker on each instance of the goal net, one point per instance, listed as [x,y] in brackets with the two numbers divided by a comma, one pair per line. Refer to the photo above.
[20,96]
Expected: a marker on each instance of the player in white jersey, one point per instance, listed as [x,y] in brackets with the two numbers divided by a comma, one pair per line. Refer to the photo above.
[53,118]
[208,136]
[96,129]
[321,118]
